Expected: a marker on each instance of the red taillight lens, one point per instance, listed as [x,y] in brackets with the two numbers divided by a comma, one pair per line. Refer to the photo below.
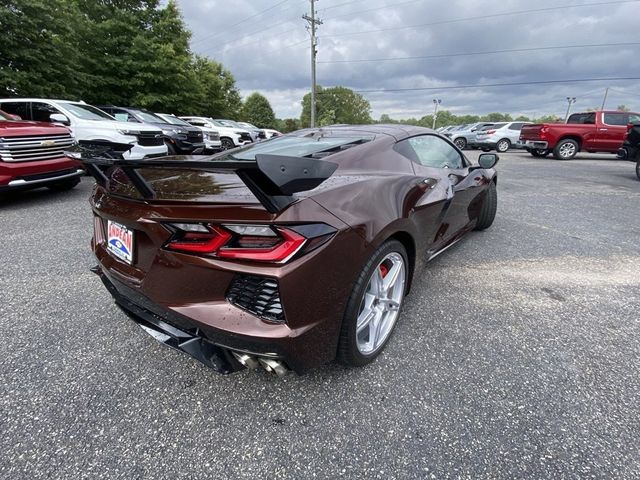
[288,244]
[259,243]
[199,242]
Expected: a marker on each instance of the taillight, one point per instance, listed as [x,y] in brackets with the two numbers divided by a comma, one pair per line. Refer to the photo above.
[543,132]
[260,243]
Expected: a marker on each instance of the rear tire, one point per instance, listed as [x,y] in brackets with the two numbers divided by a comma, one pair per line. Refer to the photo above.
[503,145]
[64,185]
[566,149]
[353,344]
[489,208]
[461,143]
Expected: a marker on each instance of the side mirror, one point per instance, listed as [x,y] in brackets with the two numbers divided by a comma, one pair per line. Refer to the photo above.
[488,160]
[59,118]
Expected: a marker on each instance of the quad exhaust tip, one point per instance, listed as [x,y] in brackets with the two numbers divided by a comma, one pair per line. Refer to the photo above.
[270,365]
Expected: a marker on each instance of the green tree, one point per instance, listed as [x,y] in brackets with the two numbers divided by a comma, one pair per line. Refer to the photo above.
[257,110]
[336,105]
[522,118]
[288,125]
[216,94]
[623,108]
[38,51]
[497,117]
[384,118]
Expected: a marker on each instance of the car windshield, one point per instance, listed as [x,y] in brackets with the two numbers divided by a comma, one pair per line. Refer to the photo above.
[296,146]
[149,117]
[174,120]
[86,112]
[247,125]
[226,123]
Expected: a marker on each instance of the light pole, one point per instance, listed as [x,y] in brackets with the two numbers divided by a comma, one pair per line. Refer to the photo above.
[570,101]
[436,104]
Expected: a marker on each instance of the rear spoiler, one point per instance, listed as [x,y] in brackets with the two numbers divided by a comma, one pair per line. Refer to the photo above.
[273,179]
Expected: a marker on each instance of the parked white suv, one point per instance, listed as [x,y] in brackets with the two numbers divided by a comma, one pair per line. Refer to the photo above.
[89,123]
[231,137]
[501,136]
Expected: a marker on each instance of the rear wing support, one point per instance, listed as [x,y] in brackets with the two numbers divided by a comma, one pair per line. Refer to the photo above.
[273,179]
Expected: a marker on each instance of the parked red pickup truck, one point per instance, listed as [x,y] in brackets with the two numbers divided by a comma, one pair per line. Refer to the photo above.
[588,132]
[32,156]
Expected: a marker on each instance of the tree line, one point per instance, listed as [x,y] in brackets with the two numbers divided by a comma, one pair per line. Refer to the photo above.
[120,52]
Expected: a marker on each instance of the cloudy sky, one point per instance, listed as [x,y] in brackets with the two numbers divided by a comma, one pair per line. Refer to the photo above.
[364,45]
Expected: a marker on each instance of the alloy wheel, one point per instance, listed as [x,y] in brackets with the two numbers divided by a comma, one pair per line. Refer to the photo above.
[567,150]
[381,303]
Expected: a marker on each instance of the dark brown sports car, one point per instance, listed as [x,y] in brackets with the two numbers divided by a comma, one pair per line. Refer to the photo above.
[285,254]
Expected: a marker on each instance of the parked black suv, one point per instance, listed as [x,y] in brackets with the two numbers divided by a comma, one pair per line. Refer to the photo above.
[179,139]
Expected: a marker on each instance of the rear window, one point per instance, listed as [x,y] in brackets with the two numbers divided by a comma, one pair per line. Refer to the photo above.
[616,118]
[308,146]
[583,118]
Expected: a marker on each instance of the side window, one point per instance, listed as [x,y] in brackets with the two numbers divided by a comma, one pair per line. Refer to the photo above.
[633,118]
[41,111]
[432,151]
[615,118]
[516,126]
[17,108]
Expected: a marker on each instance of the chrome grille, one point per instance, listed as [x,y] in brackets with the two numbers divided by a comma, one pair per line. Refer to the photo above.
[34,147]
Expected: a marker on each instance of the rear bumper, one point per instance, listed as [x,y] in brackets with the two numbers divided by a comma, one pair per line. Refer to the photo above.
[211,346]
[24,175]
[535,144]
[162,328]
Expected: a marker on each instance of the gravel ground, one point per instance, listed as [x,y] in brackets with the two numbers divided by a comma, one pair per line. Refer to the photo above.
[518,355]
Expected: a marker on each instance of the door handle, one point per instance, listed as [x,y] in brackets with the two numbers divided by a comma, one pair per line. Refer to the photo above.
[604,129]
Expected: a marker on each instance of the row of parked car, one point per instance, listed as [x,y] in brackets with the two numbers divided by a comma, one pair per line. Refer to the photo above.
[35,133]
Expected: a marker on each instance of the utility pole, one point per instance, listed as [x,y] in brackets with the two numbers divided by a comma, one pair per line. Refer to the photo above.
[436,104]
[604,100]
[570,101]
[313,23]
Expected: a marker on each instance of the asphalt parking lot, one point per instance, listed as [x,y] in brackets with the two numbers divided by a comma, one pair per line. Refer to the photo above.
[517,356]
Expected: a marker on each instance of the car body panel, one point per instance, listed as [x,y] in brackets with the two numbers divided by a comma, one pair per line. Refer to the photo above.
[594,136]
[375,193]
[46,163]
[106,128]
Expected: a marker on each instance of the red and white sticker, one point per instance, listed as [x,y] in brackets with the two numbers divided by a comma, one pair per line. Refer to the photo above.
[120,241]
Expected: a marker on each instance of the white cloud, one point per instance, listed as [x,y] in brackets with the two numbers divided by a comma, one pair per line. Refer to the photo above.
[270,52]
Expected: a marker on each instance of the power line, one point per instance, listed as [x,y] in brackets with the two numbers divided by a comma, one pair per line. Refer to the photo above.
[447,55]
[481,17]
[331,7]
[255,42]
[625,92]
[506,84]
[360,12]
[217,34]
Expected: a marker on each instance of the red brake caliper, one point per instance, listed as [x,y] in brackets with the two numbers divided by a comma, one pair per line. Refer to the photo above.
[383,270]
